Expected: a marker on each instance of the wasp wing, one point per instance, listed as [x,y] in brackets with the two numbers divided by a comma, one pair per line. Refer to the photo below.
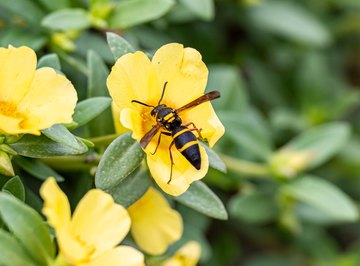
[204,98]
[145,140]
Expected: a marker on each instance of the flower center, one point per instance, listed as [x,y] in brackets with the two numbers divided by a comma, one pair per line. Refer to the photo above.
[10,110]
[88,247]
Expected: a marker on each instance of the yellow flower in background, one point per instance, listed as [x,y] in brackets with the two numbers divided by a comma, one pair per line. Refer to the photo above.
[90,236]
[154,225]
[187,255]
[135,77]
[31,99]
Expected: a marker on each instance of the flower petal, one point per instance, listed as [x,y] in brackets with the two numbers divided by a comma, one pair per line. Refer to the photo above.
[72,250]
[119,256]
[184,71]
[133,78]
[204,117]
[183,173]
[119,128]
[17,69]
[187,255]
[56,204]
[98,221]
[9,125]
[50,100]
[154,225]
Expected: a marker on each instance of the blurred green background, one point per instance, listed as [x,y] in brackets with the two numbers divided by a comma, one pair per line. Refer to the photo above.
[289,74]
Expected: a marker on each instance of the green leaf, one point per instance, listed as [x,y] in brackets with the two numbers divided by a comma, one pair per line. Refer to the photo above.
[55,5]
[28,227]
[255,207]
[98,73]
[41,146]
[67,19]
[50,60]
[129,13]
[88,109]
[61,135]
[200,198]
[202,8]
[226,79]
[92,41]
[28,10]
[17,36]
[300,25]
[15,187]
[323,141]
[132,188]
[118,45]
[324,197]
[214,159]
[249,131]
[36,168]
[120,159]
[12,253]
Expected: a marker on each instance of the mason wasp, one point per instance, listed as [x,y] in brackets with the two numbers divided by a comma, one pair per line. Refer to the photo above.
[169,120]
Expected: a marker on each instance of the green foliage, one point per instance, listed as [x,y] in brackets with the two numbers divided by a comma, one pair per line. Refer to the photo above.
[120,159]
[199,197]
[287,169]
[88,109]
[28,228]
[67,19]
[129,13]
[316,193]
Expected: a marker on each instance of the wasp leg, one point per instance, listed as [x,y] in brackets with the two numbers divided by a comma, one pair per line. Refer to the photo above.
[198,130]
[158,143]
[171,160]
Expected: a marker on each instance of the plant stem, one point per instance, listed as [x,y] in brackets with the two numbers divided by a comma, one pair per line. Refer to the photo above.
[72,163]
[245,167]
[104,140]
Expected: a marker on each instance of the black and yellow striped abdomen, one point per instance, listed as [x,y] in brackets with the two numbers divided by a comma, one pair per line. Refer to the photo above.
[187,143]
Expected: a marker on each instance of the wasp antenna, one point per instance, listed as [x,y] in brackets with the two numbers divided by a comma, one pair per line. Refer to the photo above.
[148,105]
[163,92]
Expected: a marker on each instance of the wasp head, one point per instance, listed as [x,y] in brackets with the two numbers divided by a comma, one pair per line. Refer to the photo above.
[157,109]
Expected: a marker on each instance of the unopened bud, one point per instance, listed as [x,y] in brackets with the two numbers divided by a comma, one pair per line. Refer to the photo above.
[5,164]
[287,163]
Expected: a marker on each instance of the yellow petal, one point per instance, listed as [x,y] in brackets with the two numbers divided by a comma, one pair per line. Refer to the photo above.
[99,222]
[8,124]
[17,69]
[183,173]
[133,78]
[184,71]
[71,249]
[119,256]
[154,225]
[204,117]
[56,205]
[187,255]
[50,100]
[119,128]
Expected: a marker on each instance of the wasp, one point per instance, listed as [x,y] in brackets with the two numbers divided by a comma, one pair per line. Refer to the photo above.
[170,123]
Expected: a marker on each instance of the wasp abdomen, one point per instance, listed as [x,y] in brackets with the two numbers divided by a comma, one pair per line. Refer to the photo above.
[186,143]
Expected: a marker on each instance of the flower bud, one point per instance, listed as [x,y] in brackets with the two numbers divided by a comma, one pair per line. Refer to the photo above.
[287,164]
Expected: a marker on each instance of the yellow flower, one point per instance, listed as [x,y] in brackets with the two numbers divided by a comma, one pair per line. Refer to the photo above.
[119,128]
[30,99]
[187,255]
[90,236]
[154,225]
[135,77]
